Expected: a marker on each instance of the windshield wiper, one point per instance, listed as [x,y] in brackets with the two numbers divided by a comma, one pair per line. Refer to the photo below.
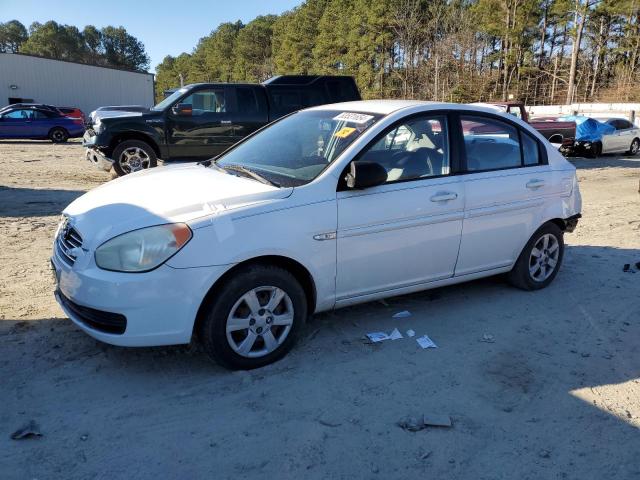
[250,173]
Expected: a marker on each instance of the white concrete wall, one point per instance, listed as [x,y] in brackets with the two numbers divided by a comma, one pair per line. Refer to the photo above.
[70,84]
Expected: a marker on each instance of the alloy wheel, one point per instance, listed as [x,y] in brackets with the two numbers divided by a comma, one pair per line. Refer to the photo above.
[134,159]
[259,321]
[544,257]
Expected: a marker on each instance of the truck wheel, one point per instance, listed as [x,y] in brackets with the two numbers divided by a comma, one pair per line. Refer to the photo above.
[132,156]
[58,135]
[634,148]
[254,318]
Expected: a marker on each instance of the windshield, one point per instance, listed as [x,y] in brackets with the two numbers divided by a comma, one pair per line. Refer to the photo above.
[294,150]
[169,100]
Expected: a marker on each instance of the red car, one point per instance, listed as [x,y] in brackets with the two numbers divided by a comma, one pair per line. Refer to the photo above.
[72,112]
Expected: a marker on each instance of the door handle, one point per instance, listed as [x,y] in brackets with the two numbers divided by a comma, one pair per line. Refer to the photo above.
[444,196]
[225,122]
[533,184]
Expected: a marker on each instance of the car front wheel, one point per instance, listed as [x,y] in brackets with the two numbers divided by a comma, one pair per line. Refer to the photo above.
[540,260]
[254,318]
[635,147]
[132,156]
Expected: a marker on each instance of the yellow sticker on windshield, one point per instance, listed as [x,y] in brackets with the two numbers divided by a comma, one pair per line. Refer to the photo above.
[344,132]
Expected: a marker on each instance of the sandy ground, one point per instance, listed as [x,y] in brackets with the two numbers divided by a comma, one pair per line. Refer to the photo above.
[556,395]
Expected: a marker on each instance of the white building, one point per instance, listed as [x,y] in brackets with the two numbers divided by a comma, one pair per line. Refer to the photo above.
[26,78]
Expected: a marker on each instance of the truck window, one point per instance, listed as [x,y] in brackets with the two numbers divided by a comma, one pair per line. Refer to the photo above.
[206,101]
[247,102]
[341,90]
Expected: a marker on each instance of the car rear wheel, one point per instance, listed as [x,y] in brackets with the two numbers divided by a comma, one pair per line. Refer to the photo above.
[58,135]
[132,156]
[540,260]
[254,318]
[635,147]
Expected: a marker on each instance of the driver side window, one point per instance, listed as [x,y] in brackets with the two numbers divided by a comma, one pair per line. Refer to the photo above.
[417,148]
[206,101]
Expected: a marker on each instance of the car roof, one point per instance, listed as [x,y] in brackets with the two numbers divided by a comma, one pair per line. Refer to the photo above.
[386,107]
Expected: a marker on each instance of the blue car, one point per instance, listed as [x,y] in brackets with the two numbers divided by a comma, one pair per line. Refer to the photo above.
[38,123]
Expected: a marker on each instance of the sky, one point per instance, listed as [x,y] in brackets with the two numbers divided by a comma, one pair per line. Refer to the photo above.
[165,27]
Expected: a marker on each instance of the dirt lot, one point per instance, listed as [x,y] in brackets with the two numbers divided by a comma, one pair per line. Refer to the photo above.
[554,393]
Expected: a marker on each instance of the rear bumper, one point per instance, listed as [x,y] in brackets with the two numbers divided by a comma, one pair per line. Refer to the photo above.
[572,222]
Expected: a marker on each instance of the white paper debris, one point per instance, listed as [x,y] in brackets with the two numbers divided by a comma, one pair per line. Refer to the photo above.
[395,335]
[426,342]
[353,117]
[411,333]
[403,314]
[377,336]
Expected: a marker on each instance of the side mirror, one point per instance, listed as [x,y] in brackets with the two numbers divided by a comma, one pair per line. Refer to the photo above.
[182,110]
[365,175]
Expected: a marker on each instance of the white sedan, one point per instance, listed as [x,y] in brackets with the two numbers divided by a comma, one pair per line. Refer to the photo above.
[625,138]
[327,207]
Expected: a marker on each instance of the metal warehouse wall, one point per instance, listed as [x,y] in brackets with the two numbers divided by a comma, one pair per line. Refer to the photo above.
[71,84]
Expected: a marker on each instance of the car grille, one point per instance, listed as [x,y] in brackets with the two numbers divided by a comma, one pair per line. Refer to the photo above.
[68,239]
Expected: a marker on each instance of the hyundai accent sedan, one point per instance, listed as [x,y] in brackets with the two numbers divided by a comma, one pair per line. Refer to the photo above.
[327,207]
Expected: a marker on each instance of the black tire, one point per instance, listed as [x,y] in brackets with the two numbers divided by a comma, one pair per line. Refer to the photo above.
[133,155]
[58,135]
[595,151]
[634,148]
[212,328]
[520,276]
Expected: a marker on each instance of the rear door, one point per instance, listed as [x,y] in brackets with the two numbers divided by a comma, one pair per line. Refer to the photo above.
[42,122]
[250,110]
[626,134]
[506,180]
[200,125]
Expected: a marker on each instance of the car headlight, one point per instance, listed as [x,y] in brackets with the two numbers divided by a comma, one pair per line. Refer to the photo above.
[97,127]
[142,250]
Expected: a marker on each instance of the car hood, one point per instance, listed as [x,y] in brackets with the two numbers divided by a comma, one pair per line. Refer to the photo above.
[162,195]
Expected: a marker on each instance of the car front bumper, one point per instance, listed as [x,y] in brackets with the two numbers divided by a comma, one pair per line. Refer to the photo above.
[133,309]
[98,159]
[93,153]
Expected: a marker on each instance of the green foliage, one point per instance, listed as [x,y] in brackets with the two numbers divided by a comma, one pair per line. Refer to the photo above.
[452,50]
[12,35]
[111,46]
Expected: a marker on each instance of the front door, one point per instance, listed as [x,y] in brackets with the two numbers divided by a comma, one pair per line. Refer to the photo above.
[200,125]
[17,124]
[505,183]
[405,232]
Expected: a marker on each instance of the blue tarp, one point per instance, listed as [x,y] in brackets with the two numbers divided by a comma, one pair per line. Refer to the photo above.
[588,129]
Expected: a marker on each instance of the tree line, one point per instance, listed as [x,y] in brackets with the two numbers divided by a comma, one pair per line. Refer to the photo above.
[108,46]
[537,51]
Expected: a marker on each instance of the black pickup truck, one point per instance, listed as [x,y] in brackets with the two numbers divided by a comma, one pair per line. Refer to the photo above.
[200,121]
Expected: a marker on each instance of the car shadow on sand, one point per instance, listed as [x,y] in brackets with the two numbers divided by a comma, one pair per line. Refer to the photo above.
[606,161]
[34,202]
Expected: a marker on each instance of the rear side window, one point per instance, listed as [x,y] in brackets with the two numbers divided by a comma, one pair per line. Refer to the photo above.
[491,144]
[530,150]
[247,102]
[341,90]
